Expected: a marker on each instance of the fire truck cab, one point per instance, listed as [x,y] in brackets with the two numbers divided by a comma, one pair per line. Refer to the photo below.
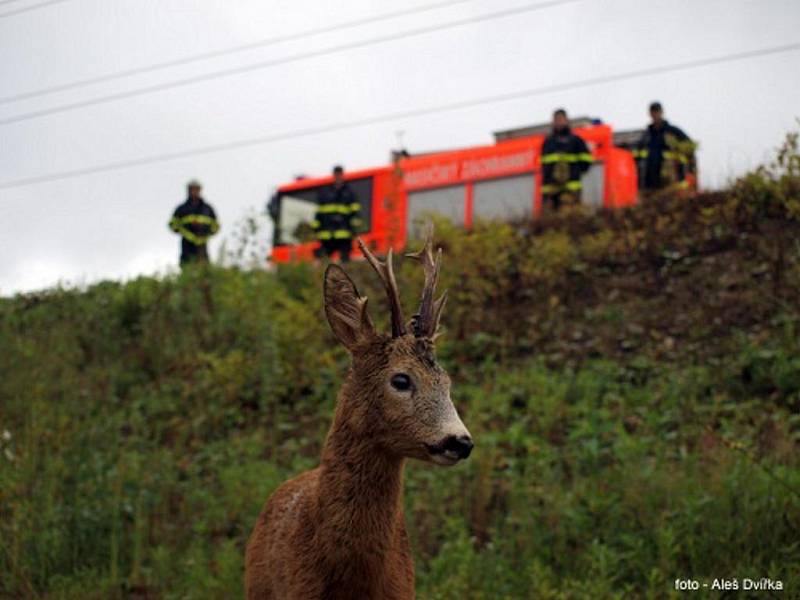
[497,181]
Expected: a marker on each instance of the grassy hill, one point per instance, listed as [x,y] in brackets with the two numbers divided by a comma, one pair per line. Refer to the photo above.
[632,381]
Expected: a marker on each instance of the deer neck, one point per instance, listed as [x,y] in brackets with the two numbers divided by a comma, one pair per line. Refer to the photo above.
[360,488]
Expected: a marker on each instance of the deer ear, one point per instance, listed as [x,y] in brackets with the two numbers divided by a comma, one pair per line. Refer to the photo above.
[345,309]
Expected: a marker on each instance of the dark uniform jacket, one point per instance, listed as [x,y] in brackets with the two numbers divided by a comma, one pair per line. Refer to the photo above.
[664,155]
[338,214]
[565,157]
[196,222]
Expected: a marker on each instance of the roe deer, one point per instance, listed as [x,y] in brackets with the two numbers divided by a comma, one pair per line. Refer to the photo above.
[338,531]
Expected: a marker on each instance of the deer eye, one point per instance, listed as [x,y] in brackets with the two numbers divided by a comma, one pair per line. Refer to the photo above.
[401,382]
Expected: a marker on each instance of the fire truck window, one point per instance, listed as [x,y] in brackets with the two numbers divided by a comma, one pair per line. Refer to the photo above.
[295,219]
[504,198]
[447,201]
[592,194]
[297,210]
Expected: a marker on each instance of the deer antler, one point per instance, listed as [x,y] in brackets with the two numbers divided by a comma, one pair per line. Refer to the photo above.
[427,320]
[386,273]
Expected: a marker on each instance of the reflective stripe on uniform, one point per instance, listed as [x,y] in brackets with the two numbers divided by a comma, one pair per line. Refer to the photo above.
[554,188]
[344,209]
[177,223]
[672,155]
[199,220]
[667,154]
[574,186]
[197,240]
[557,157]
[339,234]
[178,227]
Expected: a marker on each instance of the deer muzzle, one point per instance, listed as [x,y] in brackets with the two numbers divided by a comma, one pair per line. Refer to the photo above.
[455,444]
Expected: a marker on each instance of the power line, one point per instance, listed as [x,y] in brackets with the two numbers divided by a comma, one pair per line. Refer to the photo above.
[226,51]
[561,87]
[229,72]
[25,9]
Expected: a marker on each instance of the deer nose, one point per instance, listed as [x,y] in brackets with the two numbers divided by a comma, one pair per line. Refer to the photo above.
[461,445]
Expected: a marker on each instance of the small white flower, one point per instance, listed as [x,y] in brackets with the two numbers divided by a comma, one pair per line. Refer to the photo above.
[9,455]
[6,434]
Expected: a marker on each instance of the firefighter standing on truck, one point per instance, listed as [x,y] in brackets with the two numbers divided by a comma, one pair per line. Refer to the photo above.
[195,221]
[665,154]
[565,157]
[337,218]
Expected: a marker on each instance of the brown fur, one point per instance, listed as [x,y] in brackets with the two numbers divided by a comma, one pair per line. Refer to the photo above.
[338,531]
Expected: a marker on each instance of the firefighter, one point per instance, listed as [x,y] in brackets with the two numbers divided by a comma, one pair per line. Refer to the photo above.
[195,221]
[665,154]
[337,218]
[565,157]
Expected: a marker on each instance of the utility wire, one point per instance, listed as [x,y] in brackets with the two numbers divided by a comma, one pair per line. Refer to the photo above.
[24,9]
[229,72]
[226,51]
[268,139]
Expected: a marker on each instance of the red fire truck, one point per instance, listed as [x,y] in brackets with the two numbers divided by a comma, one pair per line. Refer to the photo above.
[501,180]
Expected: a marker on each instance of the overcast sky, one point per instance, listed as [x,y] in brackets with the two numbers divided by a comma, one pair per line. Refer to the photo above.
[113,224]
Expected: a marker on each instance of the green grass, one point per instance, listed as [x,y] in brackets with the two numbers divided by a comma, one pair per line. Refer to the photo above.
[144,437]
[635,412]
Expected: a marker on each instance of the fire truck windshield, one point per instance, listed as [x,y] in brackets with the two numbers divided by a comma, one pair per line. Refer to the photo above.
[294,211]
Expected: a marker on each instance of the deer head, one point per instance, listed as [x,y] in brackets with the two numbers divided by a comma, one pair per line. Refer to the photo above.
[396,388]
